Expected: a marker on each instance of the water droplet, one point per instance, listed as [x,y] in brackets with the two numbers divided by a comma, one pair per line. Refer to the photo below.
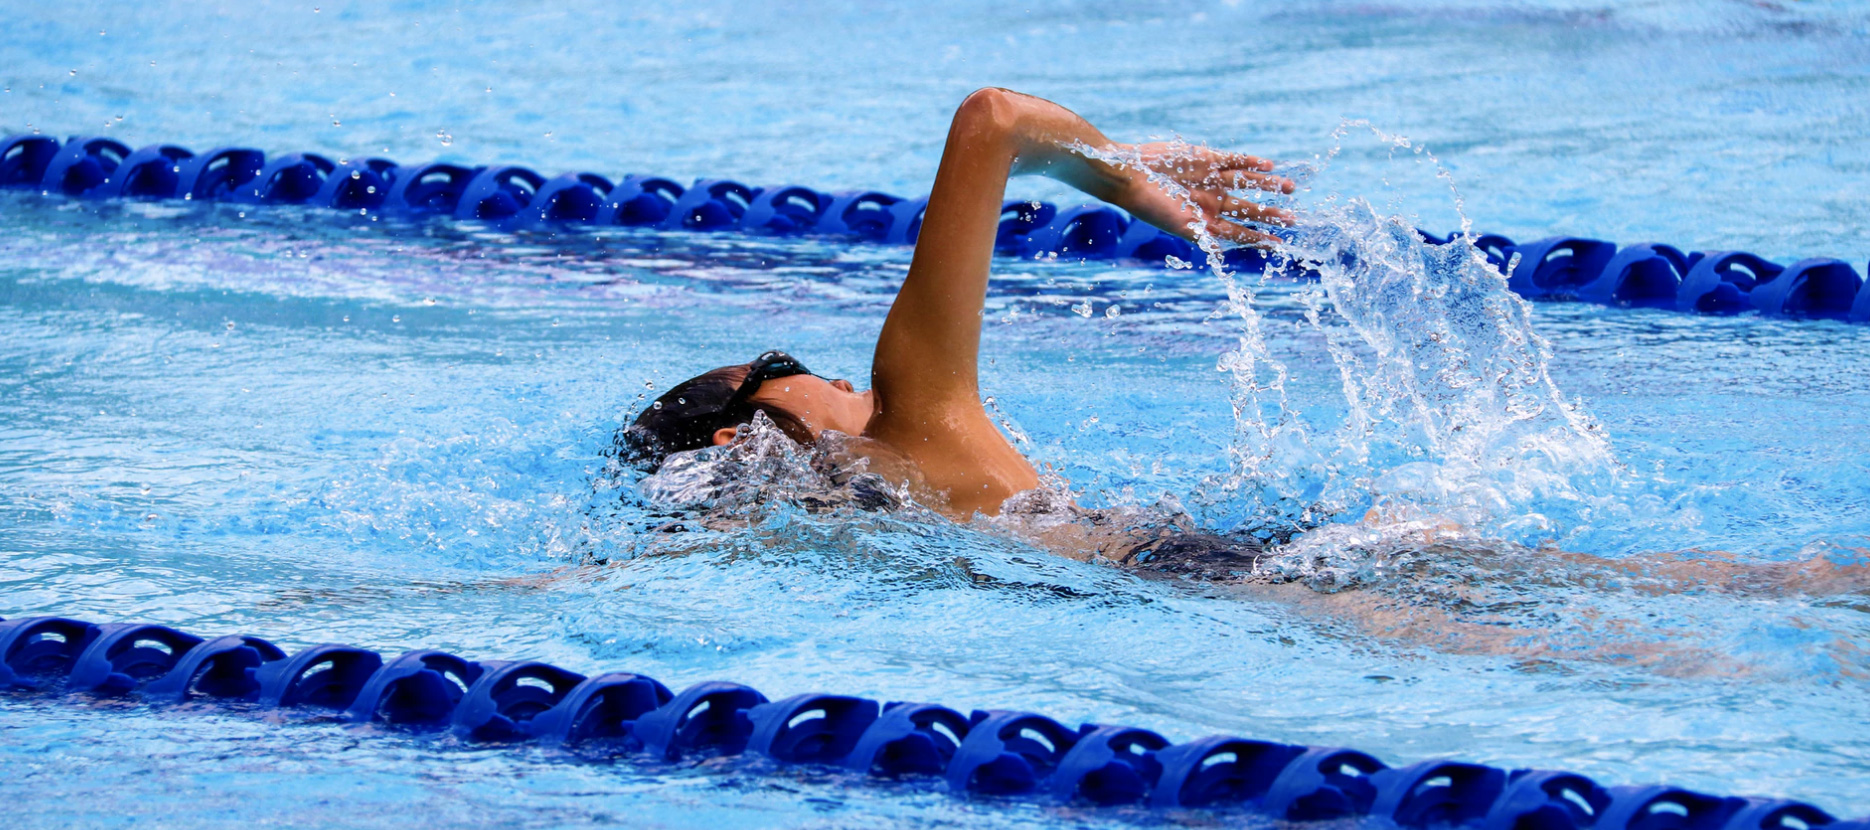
[356,174]
[316,10]
[335,123]
[74,73]
[1083,309]
[657,405]
[370,189]
[243,214]
[681,400]
[230,325]
[396,318]
[152,63]
[347,318]
[1112,312]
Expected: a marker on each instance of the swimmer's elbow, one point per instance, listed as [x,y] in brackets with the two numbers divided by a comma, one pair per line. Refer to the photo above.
[989,110]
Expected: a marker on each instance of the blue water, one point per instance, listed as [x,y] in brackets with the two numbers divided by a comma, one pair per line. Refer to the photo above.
[320,428]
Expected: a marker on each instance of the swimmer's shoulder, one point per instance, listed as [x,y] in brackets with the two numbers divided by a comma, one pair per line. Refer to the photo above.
[962,470]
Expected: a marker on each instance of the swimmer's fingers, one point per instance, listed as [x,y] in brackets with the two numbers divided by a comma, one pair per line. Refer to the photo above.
[1248,210]
[1240,161]
[1239,234]
[1238,179]
[1204,196]
[1206,169]
[1224,214]
[1239,171]
[1228,210]
[1195,157]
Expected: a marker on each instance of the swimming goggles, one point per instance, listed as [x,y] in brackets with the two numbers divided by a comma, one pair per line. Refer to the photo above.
[771,365]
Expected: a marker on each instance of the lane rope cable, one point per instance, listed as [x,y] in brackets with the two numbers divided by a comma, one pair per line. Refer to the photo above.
[511,197]
[993,753]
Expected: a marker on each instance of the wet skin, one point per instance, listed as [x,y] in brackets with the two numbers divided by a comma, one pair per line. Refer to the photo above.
[923,413]
[822,404]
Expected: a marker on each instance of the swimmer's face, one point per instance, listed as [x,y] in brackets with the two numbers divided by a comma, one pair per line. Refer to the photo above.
[816,403]
[821,404]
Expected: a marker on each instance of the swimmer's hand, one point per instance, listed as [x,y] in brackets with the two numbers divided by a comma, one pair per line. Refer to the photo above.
[1209,178]
[1185,189]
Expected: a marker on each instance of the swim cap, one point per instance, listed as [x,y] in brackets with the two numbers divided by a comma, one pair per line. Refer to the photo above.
[687,416]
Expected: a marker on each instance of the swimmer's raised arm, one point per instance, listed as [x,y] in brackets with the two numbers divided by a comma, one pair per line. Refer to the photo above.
[925,368]
[930,341]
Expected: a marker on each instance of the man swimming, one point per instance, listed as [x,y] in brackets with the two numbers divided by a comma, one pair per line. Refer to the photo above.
[922,425]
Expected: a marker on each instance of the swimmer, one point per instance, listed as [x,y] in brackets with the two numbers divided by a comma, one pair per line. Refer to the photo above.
[921,424]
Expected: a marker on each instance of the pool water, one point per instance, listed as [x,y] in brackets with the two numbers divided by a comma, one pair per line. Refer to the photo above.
[319,428]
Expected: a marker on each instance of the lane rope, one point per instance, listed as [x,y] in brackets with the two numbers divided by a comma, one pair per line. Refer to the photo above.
[511,197]
[992,753]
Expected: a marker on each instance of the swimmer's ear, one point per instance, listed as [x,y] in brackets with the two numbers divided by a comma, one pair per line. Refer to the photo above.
[724,436]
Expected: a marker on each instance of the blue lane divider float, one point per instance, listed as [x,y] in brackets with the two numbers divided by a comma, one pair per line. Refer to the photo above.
[991,753]
[1649,275]
[1654,275]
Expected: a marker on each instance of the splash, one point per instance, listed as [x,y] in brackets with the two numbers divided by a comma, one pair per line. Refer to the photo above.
[1451,423]
[1450,402]
[763,467]
[1451,426]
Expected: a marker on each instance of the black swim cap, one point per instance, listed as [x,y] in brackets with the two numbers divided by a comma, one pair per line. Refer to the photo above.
[687,416]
